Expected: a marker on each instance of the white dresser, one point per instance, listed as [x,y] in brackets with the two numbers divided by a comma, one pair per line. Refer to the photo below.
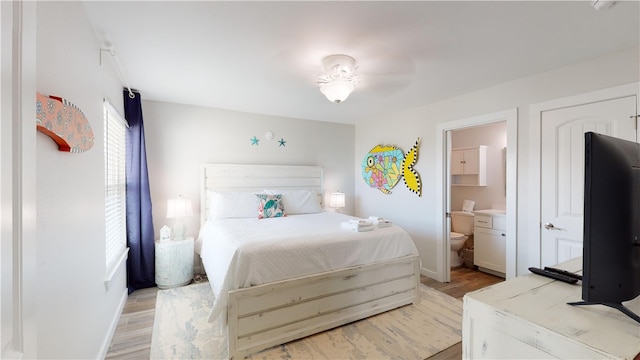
[528,318]
[174,263]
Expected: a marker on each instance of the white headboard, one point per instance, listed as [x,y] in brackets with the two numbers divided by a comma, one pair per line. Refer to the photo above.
[241,177]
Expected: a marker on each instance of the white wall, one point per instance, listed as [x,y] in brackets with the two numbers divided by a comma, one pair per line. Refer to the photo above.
[418,215]
[180,138]
[75,313]
[494,136]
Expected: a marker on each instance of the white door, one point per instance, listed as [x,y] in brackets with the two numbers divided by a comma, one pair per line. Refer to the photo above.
[562,169]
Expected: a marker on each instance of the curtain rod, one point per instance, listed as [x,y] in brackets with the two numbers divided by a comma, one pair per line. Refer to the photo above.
[118,67]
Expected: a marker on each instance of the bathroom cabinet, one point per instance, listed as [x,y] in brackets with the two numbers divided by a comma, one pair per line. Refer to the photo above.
[468,166]
[490,242]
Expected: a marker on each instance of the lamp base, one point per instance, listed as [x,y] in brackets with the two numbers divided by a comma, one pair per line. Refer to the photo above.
[178,230]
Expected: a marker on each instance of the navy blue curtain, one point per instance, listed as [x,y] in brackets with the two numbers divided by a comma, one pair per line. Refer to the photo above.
[140,236]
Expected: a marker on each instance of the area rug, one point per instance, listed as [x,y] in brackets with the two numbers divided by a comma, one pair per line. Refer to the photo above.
[181,330]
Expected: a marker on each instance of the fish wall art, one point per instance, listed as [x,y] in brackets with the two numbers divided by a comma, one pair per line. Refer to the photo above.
[385,165]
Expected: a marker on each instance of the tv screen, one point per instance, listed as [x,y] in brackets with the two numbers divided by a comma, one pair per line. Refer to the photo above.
[611,254]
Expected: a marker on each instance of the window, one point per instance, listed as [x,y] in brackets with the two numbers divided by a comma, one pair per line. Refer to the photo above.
[115,188]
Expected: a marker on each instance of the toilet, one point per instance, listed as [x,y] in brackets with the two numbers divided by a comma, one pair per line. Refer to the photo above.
[461,228]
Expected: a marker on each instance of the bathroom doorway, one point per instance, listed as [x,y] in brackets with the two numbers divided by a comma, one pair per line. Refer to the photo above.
[487,191]
[478,187]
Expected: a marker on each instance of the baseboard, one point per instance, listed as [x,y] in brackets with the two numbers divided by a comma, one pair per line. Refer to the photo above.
[429,273]
[104,348]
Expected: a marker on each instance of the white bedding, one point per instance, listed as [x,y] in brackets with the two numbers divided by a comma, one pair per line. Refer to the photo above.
[238,253]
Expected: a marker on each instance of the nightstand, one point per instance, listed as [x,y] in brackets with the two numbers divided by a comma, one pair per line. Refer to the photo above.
[174,263]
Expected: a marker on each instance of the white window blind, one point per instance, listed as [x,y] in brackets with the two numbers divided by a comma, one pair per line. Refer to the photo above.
[115,187]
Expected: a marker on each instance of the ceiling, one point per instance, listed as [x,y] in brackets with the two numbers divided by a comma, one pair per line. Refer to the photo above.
[264,57]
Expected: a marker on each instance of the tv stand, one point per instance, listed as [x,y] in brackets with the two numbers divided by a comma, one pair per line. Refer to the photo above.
[625,310]
[528,318]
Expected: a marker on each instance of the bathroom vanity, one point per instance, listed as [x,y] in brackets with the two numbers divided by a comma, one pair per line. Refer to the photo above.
[490,241]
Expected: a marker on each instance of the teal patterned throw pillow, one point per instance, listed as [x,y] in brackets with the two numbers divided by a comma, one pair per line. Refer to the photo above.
[270,206]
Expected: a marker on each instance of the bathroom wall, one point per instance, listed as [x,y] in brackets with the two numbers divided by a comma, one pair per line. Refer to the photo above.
[495,137]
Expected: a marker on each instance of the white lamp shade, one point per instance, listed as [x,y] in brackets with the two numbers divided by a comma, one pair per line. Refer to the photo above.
[337,91]
[177,208]
[336,200]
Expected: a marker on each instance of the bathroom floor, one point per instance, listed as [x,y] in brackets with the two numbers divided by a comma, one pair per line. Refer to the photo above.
[463,280]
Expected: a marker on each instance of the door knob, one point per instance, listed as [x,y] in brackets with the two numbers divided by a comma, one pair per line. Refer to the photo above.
[549,226]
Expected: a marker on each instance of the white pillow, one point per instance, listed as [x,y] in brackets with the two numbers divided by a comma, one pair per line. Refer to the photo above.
[226,205]
[298,201]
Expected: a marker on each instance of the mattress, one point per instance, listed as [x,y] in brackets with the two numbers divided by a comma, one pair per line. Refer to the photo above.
[238,253]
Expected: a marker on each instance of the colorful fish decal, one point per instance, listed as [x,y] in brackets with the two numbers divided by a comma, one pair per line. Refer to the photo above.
[385,165]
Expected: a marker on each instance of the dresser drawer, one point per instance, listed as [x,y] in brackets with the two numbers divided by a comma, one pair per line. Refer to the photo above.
[483,221]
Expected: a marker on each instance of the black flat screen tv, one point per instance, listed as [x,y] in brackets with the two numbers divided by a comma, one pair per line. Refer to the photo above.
[611,253]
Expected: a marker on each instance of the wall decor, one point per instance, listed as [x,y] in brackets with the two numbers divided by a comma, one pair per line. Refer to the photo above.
[165,233]
[384,165]
[269,135]
[64,123]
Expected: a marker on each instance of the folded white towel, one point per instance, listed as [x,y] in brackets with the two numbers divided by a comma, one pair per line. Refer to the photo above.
[354,226]
[361,221]
[380,221]
[384,223]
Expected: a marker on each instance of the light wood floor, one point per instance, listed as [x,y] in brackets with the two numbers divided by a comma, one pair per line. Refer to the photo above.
[132,339]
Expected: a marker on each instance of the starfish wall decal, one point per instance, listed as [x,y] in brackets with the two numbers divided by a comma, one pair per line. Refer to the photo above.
[282,142]
[254,141]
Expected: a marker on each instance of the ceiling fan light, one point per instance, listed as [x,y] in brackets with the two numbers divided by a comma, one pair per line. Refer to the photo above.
[338,80]
[603,4]
[337,91]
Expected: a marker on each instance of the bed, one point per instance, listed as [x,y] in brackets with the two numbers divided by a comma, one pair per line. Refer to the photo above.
[283,278]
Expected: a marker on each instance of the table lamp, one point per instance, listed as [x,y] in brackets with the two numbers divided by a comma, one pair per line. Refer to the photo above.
[178,209]
[336,200]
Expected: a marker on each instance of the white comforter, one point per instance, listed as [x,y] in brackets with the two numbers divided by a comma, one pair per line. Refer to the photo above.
[238,253]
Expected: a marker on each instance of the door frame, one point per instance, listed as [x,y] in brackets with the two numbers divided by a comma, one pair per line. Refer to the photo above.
[18,240]
[444,157]
[535,130]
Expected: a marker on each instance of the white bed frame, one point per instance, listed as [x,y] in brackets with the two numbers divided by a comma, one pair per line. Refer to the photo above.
[263,316]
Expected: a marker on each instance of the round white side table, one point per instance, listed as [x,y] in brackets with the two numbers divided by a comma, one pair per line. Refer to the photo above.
[174,263]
